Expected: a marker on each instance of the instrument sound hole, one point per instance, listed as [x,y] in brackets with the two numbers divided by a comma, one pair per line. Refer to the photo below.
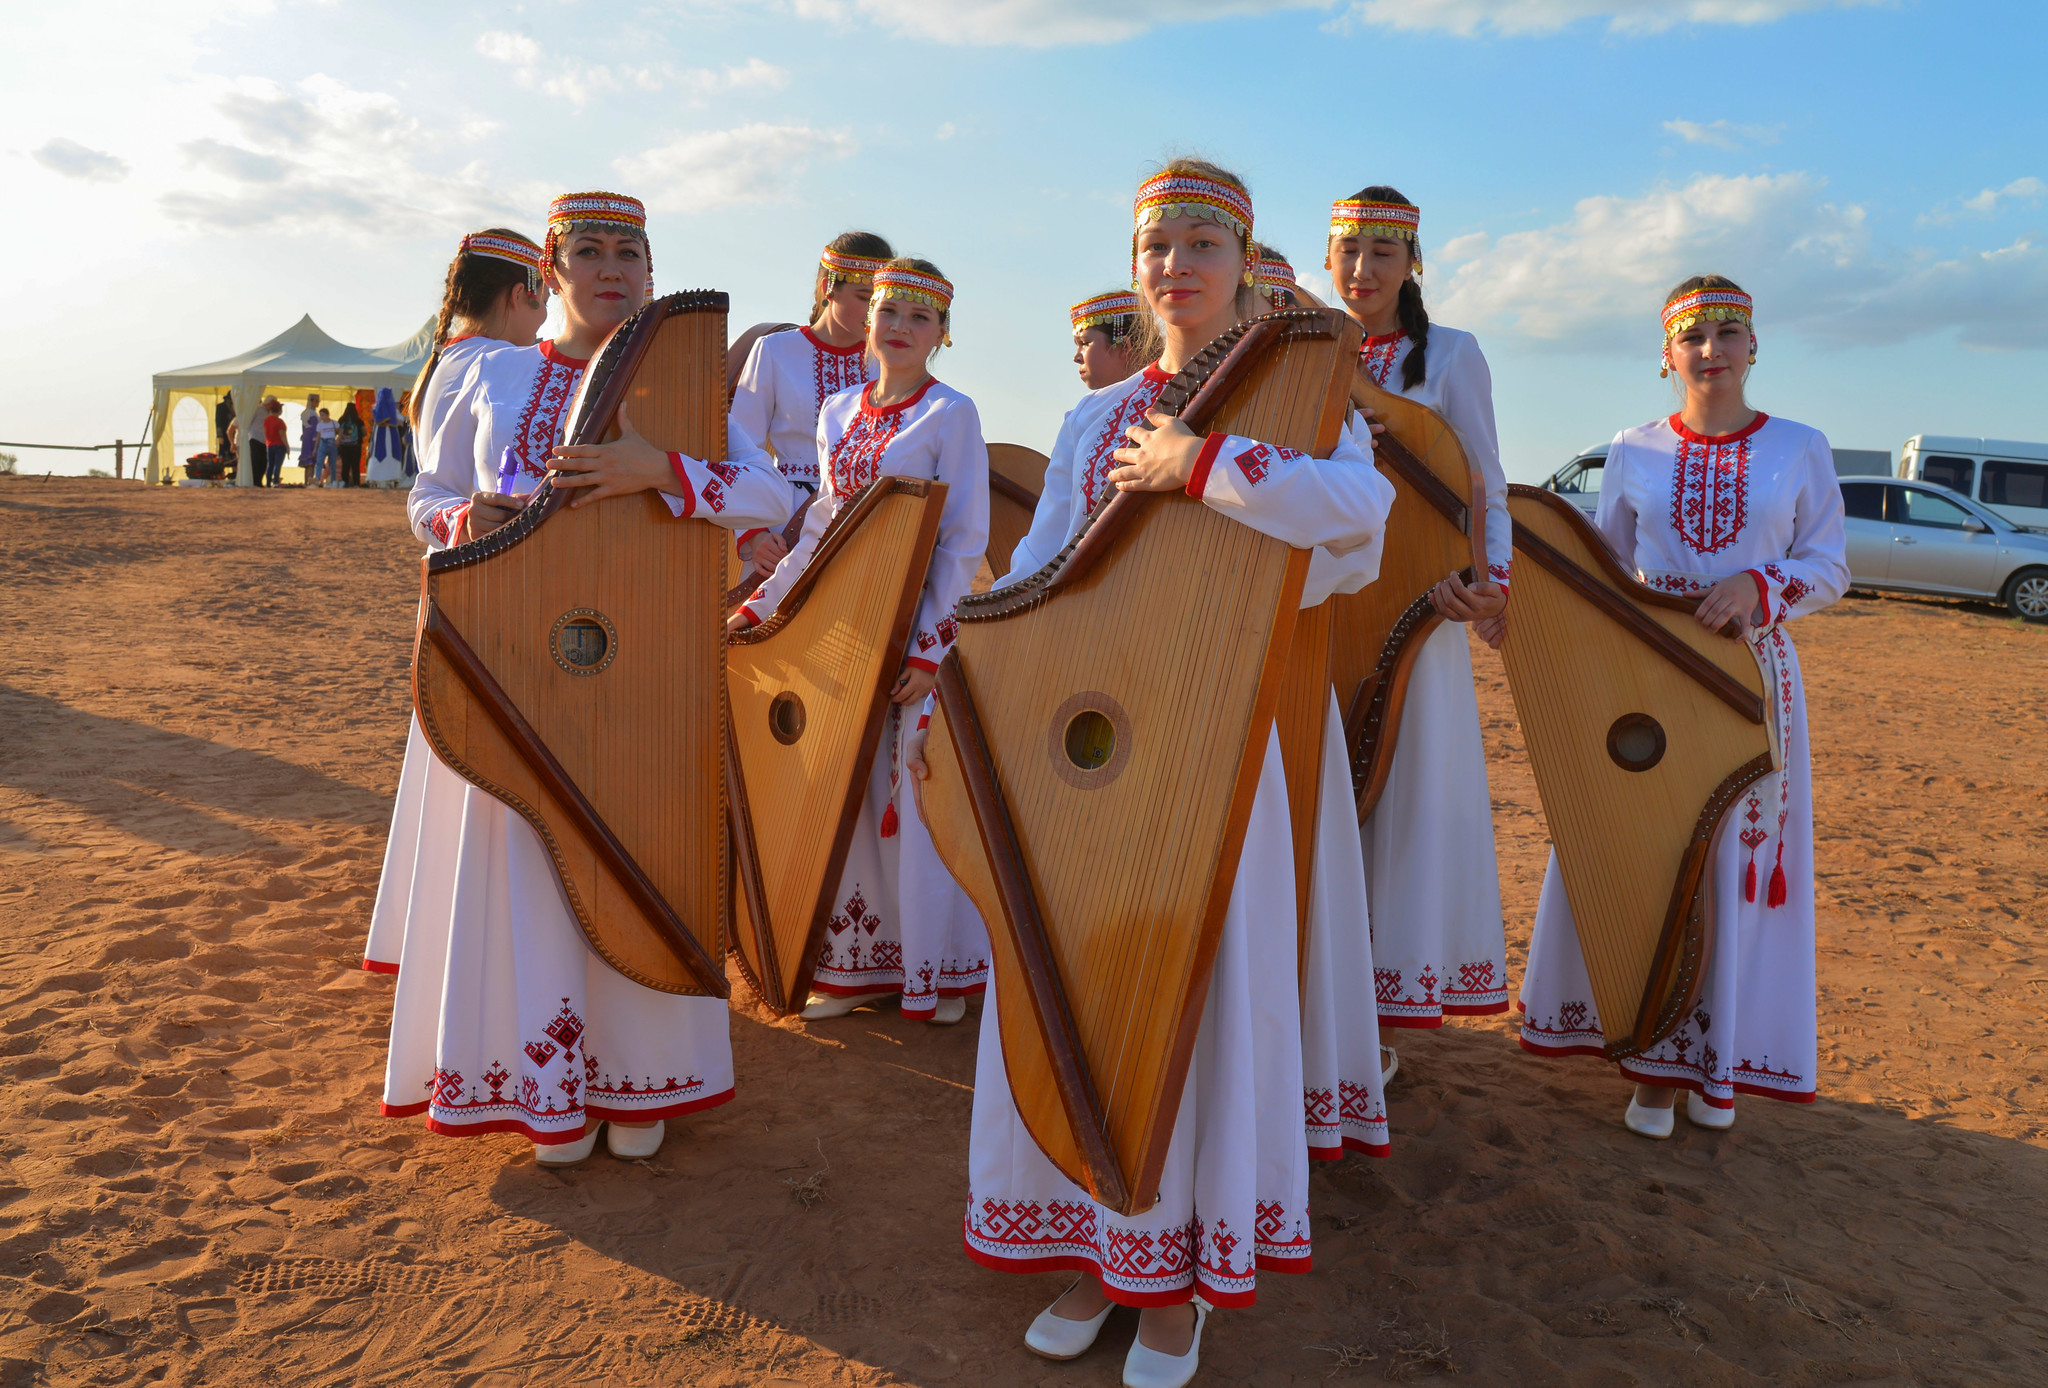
[583,641]
[786,718]
[1636,742]
[1090,739]
[583,644]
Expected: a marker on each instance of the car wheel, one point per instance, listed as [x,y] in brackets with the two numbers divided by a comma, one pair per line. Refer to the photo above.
[2026,595]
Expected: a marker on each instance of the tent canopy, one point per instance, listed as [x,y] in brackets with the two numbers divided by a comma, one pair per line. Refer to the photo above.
[301,358]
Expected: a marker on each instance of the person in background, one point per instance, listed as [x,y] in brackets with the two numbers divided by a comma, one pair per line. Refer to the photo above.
[224,425]
[274,444]
[1102,338]
[348,442]
[309,439]
[327,462]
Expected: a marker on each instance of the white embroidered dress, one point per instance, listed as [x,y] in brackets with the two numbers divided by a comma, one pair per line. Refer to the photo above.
[902,921]
[1437,936]
[503,1018]
[786,381]
[1234,1193]
[1689,511]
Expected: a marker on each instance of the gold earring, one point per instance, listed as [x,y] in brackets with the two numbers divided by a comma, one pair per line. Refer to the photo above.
[1752,356]
[1663,373]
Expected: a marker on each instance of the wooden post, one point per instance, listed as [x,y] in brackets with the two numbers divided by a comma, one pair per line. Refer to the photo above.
[117,460]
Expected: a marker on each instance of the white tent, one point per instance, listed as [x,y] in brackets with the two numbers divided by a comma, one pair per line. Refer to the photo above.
[301,358]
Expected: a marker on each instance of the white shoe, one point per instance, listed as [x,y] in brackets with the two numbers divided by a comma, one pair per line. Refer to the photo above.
[823,1005]
[1056,1337]
[1148,1368]
[634,1144]
[1704,1115]
[1649,1122]
[1390,1063]
[568,1153]
[948,1011]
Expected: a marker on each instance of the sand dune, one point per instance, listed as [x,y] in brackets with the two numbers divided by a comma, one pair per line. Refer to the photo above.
[202,709]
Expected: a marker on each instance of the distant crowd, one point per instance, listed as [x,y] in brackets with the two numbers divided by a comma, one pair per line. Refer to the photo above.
[332,451]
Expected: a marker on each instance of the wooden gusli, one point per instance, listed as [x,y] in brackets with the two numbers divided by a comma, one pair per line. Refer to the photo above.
[1096,748]
[1435,528]
[1015,474]
[810,694]
[571,664]
[1643,729]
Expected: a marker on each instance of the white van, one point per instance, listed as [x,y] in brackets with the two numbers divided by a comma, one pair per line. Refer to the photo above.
[2011,478]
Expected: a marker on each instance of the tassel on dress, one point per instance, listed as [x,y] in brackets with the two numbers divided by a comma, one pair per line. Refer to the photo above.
[1777,897]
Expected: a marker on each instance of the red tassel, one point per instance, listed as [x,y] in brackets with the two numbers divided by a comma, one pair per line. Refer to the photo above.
[1777,897]
[889,829]
[1749,882]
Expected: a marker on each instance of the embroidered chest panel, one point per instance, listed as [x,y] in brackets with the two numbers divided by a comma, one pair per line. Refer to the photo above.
[540,422]
[1110,437]
[1378,358]
[832,372]
[1710,494]
[857,457]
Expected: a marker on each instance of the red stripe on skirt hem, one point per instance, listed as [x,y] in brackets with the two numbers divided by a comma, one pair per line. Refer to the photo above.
[378,966]
[1756,1091]
[403,1110]
[605,1113]
[555,1139]
[1351,1144]
[1078,1262]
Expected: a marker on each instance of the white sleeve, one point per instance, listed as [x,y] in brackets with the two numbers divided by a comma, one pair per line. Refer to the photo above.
[440,494]
[743,492]
[764,600]
[1468,405]
[1616,515]
[753,401]
[1050,523]
[963,531]
[1339,502]
[1815,570]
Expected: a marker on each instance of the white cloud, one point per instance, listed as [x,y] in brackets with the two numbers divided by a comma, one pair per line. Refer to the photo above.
[1468,17]
[720,168]
[1988,202]
[74,160]
[1720,134]
[577,82]
[1596,280]
[305,161]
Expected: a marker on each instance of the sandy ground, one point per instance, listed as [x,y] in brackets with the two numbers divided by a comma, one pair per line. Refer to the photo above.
[202,708]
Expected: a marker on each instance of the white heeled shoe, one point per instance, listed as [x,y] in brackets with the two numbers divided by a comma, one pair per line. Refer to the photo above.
[634,1144]
[1702,1114]
[1390,1063]
[1148,1368]
[1649,1122]
[948,1011]
[559,1154]
[823,1005]
[1056,1337]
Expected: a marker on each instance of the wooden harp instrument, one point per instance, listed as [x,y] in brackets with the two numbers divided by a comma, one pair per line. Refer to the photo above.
[1436,527]
[810,693]
[571,664]
[1095,751]
[1015,475]
[1643,729]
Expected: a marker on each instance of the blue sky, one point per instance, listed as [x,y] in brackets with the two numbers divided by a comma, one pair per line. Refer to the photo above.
[1874,172]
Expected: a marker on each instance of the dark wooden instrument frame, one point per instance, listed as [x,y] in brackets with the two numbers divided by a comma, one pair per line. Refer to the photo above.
[836,536]
[1677,970]
[1194,395]
[612,374]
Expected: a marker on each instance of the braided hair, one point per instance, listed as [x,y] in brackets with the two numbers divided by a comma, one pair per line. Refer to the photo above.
[1408,303]
[473,287]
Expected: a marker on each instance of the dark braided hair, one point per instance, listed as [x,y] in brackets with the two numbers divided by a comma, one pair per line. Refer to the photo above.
[474,285]
[861,243]
[1408,303]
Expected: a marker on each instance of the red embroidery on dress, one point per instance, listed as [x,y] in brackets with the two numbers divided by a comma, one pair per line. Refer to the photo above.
[539,427]
[1386,985]
[1355,1104]
[948,629]
[1710,493]
[1377,354]
[857,457]
[1498,573]
[1130,412]
[833,372]
[1255,462]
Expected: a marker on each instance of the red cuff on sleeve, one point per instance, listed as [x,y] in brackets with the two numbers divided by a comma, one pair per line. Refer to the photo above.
[1198,481]
[458,518]
[1763,593]
[746,535]
[924,720]
[675,462]
[748,613]
[929,667]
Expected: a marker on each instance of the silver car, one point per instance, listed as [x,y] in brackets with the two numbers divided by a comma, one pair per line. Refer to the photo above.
[1913,537]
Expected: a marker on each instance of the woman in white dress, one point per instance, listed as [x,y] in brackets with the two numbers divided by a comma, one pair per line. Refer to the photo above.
[903,928]
[1723,500]
[788,377]
[1234,1191]
[1438,943]
[504,1019]
[1104,347]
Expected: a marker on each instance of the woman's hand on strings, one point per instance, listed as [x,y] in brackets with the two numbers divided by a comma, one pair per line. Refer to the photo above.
[1160,456]
[487,511]
[764,551]
[628,464]
[1484,604]
[1733,599]
[736,623]
[913,757]
[913,684]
